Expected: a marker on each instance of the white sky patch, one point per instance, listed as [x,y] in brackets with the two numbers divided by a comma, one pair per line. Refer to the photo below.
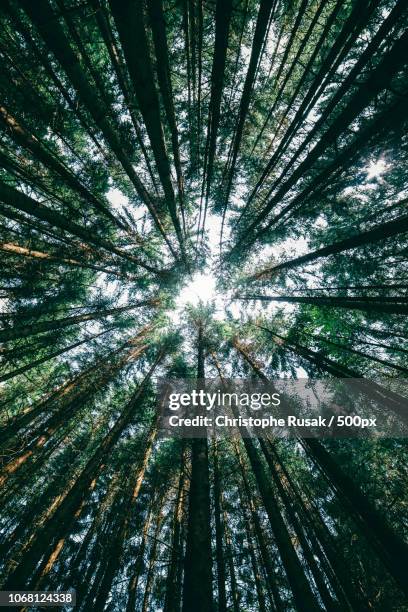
[121,204]
[202,288]
[376,168]
[117,200]
[212,234]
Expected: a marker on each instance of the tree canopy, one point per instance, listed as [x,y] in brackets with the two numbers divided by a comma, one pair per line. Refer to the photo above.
[259,145]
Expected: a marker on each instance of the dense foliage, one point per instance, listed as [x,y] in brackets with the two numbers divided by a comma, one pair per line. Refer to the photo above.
[143,142]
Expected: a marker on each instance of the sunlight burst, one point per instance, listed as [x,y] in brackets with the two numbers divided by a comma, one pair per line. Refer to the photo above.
[376,168]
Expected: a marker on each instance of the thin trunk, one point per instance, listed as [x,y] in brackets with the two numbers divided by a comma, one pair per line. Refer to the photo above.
[95,570]
[265,9]
[326,72]
[249,359]
[335,556]
[222,24]
[388,123]
[378,79]
[17,199]
[65,393]
[250,537]
[302,593]
[187,50]
[152,562]
[260,535]
[200,19]
[122,526]
[47,357]
[376,234]
[22,331]
[43,60]
[366,56]
[387,347]
[172,596]
[385,397]
[138,566]
[15,249]
[392,549]
[231,565]
[129,19]
[348,349]
[37,448]
[73,578]
[158,25]
[219,532]
[29,141]
[294,62]
[106,31]
[373,305]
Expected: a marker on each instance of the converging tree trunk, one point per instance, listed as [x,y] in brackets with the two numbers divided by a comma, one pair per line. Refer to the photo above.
[197,588]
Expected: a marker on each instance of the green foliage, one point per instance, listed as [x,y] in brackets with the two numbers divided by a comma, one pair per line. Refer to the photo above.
[142,143]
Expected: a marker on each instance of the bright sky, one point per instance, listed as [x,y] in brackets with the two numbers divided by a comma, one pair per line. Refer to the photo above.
[376,168]
[201,289]
[202,286]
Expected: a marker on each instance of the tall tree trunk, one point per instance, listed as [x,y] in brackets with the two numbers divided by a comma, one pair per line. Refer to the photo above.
[231,566]
[17,199]
[117,63]
[51,31]
[295,61]
[392,549]
[260,535]
[219,532]
[348,349]
[68,391]
[47,357]
[41,152]
[378,79]
[137,565]
[197,588]
[118,540]
[152,562]
[158,25]
[172,596]
[222,24]
[15,249]
[266,8]
[366,56]
[385,397]
[345,590]
[74,578]
[250,536]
